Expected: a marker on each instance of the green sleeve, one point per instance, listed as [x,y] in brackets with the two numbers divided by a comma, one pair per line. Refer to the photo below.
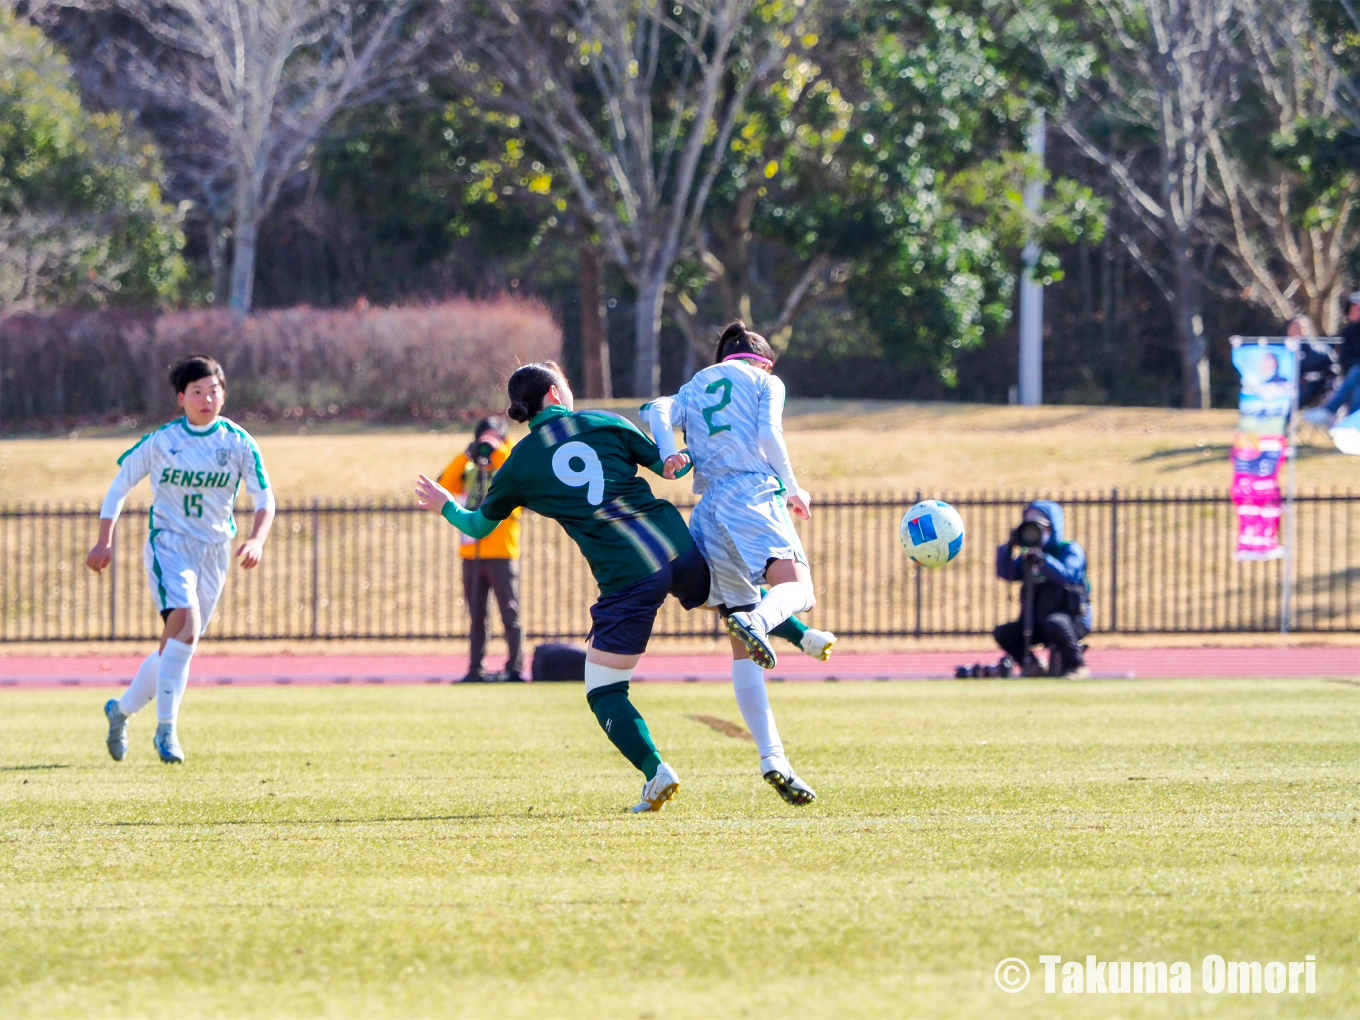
[642,450]
[470,522]
[643,447]
[503,495]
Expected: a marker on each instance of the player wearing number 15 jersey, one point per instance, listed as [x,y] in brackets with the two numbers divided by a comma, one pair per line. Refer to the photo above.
[196,464]
[732,417]
[580,469]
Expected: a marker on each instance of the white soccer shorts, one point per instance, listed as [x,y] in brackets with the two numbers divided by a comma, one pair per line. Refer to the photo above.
[740,525]
[185,573]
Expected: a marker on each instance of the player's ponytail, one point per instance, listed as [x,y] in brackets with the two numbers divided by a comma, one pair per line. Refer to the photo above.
[736,339]
[529,385]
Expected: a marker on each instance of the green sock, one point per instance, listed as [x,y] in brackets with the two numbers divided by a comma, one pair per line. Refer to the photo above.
[791,630]
[624,726]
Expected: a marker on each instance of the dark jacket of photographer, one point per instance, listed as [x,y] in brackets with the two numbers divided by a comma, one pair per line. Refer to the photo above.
[1061,568]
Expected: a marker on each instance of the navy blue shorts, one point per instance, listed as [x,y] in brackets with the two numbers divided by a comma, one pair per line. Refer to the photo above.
[621,622]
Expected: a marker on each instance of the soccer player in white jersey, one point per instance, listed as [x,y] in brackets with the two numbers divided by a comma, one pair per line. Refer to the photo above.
[732,416]
[196,464]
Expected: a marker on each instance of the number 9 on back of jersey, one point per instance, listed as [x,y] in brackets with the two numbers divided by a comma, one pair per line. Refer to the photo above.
[932,533]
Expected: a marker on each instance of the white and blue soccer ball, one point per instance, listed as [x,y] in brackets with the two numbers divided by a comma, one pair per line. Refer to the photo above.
[932,533]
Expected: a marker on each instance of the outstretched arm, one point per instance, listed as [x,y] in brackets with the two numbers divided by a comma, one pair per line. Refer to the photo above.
[132,468]
[251,551]
[645,453]
[770,425]
[102,553]
[660,421]
[434,497]
[663,416]
[256,480]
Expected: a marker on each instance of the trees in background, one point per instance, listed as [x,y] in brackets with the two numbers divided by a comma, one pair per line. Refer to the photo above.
[1289,220]
[256,83]
[844,175]
[871,170]
[636,101]
[82,220]
[1143,86]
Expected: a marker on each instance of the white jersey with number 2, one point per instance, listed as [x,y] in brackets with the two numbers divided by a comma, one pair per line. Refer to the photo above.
[732,415]
[195,475]
[733,418]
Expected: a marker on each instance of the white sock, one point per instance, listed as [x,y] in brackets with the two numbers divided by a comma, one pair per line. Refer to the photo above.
[172,676]
[143,686]
[781,602]
[748,683]
[598,676]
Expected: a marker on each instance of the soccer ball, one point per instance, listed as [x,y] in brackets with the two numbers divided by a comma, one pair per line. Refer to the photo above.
[932,533]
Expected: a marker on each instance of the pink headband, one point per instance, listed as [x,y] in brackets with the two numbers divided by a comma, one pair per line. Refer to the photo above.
[758,359]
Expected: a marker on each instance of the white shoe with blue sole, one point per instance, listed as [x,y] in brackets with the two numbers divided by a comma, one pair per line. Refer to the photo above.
[117,729]
[167,744]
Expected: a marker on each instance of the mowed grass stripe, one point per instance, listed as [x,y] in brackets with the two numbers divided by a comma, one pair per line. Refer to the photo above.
[441,851]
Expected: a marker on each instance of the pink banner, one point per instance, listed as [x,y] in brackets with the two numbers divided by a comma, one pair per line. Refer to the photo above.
[1256,494]
[1261,446]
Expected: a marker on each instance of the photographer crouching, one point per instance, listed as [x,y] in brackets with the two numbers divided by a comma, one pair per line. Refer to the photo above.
[1055,598]
[490,565]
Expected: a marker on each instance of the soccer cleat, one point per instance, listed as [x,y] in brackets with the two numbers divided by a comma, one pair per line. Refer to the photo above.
[117,729]
[818,643]
[167,744]
[748,632]
[657,790]
[779,774]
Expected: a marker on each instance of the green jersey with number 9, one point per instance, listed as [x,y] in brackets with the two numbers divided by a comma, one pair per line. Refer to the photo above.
[580,469]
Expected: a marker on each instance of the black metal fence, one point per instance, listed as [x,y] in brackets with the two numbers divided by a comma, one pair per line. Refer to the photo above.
[1159,563]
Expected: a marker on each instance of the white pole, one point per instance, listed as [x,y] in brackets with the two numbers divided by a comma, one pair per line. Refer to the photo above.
[1296,352]
[1031,292]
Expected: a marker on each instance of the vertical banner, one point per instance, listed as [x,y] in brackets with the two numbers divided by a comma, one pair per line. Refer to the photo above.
[1261,445]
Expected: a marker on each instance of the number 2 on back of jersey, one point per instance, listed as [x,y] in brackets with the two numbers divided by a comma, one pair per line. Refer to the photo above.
[726,386]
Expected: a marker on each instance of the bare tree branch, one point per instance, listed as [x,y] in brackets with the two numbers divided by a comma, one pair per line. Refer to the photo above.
[1287,259]
[260,80]
[1169,71]
[588,80]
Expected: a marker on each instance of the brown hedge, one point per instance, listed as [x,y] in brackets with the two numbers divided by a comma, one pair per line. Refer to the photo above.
[432,361]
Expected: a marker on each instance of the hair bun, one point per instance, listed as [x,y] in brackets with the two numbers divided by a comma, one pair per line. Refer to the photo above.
[518,411]
[736,328]
[735,331]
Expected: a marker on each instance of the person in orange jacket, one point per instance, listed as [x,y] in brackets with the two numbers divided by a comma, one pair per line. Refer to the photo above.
[490,564]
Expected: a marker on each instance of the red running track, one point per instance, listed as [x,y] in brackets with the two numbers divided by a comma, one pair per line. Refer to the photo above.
[268,670]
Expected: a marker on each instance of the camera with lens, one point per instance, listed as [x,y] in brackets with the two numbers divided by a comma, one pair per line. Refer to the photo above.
[1028,536]
[480,453]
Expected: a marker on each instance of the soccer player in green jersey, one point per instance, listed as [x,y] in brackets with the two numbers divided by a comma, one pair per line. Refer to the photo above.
[580,469]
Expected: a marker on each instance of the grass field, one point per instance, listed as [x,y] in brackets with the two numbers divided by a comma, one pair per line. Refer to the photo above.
[837,446]
[464,851]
